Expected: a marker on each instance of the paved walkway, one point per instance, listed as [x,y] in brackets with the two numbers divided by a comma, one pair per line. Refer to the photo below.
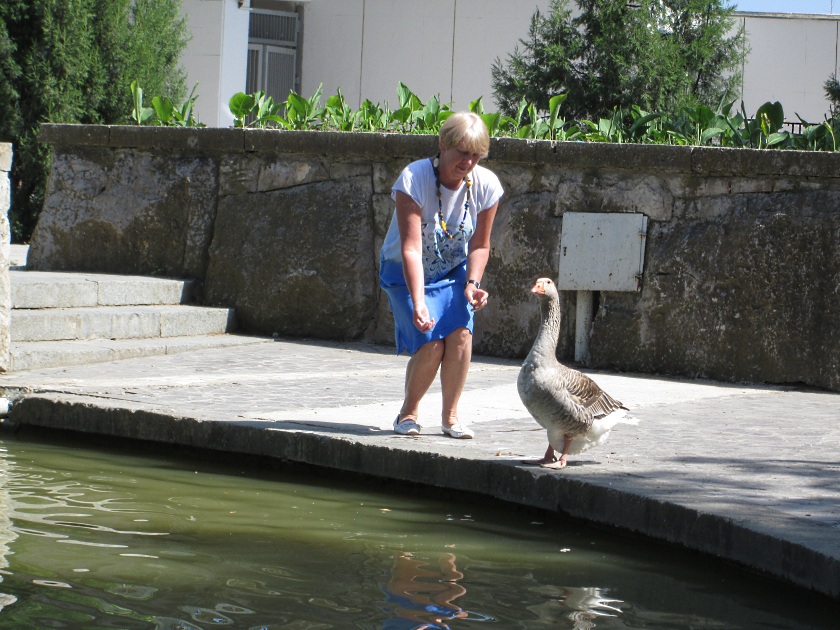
[750,474]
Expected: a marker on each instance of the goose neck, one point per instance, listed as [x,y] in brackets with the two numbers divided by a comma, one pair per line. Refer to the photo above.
[548,335]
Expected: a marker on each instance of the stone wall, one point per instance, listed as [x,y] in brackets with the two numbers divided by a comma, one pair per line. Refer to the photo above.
[5,240]
[741,274]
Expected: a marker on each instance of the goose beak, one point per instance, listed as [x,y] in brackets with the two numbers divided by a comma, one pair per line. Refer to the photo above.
[540,285]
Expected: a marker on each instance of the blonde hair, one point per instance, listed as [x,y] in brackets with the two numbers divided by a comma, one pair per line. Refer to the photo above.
[468,128]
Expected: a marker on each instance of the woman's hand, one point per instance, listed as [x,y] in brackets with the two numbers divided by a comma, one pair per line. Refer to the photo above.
[422,321]
[476,297]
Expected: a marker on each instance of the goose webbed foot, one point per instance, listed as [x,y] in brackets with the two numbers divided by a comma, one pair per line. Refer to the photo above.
[554,462]
[547,459]
[557,464]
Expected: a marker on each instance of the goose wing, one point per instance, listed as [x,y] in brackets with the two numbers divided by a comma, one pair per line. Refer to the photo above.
[589,395]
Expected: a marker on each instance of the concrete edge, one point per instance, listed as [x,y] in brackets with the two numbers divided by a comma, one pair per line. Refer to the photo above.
[710,534]
[702,160]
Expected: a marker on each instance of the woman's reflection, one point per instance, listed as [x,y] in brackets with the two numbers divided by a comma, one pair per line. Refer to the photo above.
[420,596]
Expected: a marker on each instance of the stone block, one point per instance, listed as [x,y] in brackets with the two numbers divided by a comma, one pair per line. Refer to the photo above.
[383,213]
[279,173]
[5,158]
[238,173]
[297,261]
[385,174]
[126,212]
[5,240]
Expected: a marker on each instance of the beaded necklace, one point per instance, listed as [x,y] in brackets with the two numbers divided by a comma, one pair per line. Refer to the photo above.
[468,181]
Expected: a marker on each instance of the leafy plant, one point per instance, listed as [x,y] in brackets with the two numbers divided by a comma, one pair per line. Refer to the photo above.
[763,130]
[258,107]
[374,117]
[163,109]
[413,116]
[339,115]
[240,106]
[170,115]
[139,114]
[819,137]
[301,113]
[697,125]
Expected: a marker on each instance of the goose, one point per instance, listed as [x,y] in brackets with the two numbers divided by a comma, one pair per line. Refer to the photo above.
[575,412]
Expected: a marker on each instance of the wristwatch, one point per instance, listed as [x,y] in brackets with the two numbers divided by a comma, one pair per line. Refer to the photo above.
[475,282]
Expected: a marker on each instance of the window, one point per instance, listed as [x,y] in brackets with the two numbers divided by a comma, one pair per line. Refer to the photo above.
[272,53]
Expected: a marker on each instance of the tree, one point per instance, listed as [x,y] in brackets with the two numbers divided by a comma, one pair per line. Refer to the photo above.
[545,67]
[71,61]
[832,92]
[658,54]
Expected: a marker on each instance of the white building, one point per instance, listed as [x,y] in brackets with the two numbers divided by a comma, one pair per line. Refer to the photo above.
[443,47]
[791,57]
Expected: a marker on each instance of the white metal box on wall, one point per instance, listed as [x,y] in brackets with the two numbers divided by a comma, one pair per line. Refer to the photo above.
[602,252]
[599,252]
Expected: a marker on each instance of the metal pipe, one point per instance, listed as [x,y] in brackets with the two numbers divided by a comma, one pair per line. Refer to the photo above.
[583,324]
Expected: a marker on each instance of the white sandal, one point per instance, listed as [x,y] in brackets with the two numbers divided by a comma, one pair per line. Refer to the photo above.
[458,431]
[406,427]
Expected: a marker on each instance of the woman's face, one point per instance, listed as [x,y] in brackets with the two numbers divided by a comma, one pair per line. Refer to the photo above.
[456,163]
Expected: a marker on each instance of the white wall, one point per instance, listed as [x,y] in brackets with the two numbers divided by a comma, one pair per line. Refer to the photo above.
[447,48]
[332,48]
[366,47]
[216,56]
[790,60]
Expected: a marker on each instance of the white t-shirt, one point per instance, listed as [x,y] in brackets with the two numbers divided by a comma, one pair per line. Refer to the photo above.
[441,254]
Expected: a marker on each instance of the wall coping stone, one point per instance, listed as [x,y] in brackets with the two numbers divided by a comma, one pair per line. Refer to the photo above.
[646,157]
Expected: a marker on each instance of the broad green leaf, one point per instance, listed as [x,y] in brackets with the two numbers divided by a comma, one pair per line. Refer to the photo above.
[708,134]
[164,109]
[240,104]
[775,139]
[642,122]
[775,114]
[297,104]
[403,95]
[492,121]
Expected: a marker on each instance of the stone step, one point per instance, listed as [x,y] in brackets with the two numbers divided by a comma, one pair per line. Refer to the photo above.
[119,322]
[36,355]
[61,318]
[59,289]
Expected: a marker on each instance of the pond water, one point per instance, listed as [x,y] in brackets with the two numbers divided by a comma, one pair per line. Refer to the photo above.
[116,536]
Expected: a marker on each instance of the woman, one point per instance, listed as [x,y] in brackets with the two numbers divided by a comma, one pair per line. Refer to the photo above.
[431,265]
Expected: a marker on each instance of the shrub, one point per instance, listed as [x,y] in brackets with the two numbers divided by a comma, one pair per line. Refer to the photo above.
[657,54]
[60,61]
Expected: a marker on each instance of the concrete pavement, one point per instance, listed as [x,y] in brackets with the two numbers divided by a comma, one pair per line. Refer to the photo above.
[746,473]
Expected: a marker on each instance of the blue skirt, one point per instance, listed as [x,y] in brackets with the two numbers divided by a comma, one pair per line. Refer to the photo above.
[445,300]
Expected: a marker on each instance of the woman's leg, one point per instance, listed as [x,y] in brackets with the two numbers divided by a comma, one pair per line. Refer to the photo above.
[419,375]
[453,372]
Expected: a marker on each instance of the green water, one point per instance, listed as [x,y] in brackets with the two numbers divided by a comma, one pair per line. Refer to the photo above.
[115,536]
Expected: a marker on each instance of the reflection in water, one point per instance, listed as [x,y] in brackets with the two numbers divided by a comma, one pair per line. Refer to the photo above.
[421,595]
[7,533]
[421,598]
[92,538]
[582,605]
